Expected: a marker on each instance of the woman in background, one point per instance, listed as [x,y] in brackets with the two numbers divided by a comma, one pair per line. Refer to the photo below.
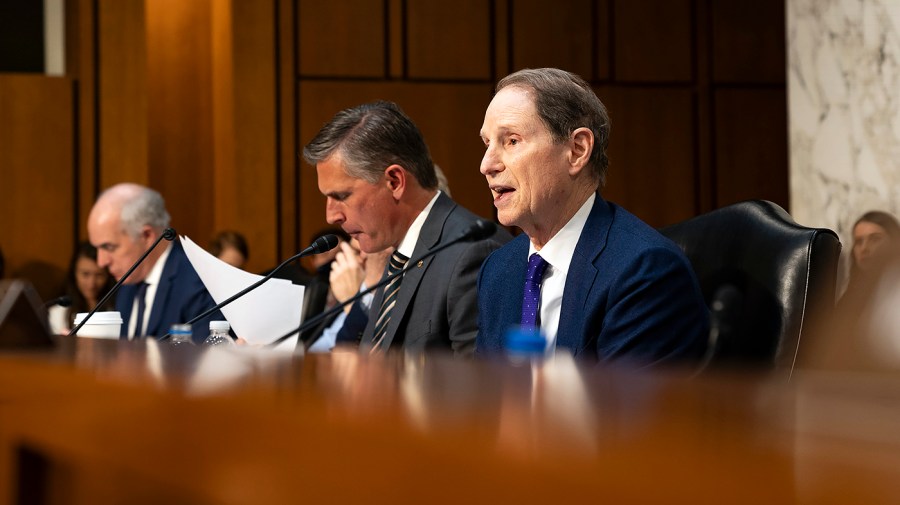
[86,283]
[230,247]
[876,237]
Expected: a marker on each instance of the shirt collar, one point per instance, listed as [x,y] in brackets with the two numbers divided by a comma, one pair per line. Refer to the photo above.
[156,272]
[408,244]
[558,251]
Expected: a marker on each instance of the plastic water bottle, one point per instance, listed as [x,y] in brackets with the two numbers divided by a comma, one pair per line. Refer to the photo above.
[180,335]
[524,345]
[218,334]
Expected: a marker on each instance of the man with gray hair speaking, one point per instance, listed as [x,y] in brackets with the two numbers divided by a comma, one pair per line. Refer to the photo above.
[164,289]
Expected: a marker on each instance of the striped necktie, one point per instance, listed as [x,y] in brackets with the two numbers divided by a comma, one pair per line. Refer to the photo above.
[390,299]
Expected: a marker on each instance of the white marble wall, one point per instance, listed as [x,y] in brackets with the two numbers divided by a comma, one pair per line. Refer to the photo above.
[844,110]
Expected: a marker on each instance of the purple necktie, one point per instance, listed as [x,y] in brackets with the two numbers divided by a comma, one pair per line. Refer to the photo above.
[531,299]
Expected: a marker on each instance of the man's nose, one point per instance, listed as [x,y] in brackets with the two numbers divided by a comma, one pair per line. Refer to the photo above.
[489,163]
[332,214]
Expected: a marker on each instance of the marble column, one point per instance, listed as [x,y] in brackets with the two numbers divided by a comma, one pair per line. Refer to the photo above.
[844,110]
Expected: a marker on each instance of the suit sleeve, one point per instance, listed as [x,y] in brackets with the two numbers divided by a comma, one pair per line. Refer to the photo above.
[655,312]
[462,297]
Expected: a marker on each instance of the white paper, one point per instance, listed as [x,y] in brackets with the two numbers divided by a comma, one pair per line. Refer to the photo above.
[260,316]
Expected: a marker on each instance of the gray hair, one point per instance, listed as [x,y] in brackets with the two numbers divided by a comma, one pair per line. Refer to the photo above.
[370,138]
[140,206]
[566,102]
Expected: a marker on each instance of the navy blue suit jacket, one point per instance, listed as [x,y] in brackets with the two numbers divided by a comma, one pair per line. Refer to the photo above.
[630,294]
[179,297]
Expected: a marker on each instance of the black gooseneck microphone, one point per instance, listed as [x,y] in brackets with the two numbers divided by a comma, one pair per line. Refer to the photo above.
[320,245]
[479,230]
[168,234]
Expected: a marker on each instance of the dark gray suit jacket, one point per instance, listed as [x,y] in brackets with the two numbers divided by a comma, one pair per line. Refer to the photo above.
[437,305]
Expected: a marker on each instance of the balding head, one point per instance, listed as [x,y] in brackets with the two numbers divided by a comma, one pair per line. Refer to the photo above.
[134,206]
[126,219]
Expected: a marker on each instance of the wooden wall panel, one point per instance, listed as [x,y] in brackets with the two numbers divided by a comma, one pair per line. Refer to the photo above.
[449,116]
[288,222]
[748,41]
[552,34]
[245,179]
[751,145]
[179,72]
[37,230]
[80,67]
[342,38]
[449,43]
[123,101]
[653,40]
[652,167]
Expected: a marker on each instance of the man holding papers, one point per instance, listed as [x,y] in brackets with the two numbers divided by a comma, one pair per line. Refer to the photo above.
[164,289]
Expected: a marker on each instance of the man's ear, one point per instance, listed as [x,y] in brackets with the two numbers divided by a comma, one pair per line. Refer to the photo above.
[581,143]
[147,234]
[395,177]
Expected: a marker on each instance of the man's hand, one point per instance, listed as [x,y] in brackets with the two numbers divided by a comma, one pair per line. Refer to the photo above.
[346,274]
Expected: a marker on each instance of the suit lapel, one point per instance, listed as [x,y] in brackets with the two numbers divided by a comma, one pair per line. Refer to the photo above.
[166,281]
[582,275]
[513,273]
[124,304]
[429,236]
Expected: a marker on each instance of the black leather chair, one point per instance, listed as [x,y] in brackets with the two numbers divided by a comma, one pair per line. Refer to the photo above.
[764,277]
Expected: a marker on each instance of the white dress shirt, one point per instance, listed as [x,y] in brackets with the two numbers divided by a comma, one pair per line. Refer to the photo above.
[558,252]
[152,281]
[408,245]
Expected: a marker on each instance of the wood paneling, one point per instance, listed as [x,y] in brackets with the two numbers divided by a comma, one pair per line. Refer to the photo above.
[245,179]
[36,178]
[123,101]
[343,38]
[552,34]
[653,40]
[748,41]
[449,116]
[652,166]
[288,217]
[751,145]
[210,101]
[449,43]
[179,63]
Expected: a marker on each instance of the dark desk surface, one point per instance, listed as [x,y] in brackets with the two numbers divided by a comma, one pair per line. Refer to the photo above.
[107,422]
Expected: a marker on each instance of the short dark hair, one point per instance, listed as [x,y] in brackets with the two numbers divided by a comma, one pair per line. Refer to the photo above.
[229,238]
[566,102]
[370,138]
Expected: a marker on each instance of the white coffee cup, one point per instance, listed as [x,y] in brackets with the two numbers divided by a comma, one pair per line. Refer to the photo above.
[100,325]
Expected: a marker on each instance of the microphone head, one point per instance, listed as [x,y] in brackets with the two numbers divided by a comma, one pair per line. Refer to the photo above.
[169,234]
[481,230]
[64,301]
[324,243]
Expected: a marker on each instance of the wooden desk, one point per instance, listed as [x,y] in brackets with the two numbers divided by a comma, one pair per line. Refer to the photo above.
[110,422]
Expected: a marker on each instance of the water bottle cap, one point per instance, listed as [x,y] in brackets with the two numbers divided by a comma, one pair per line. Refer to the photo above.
[522,340]
[180,329]
[219,325]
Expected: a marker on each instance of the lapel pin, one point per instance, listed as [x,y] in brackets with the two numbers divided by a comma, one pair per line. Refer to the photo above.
[420,263]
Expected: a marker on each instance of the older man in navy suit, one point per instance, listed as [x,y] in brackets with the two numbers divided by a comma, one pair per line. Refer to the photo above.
[164,289]
[595,279]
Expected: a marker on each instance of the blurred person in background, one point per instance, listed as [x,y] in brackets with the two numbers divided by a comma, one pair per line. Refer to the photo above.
[230,247]
[876,237]
[86,283]
[352,271]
